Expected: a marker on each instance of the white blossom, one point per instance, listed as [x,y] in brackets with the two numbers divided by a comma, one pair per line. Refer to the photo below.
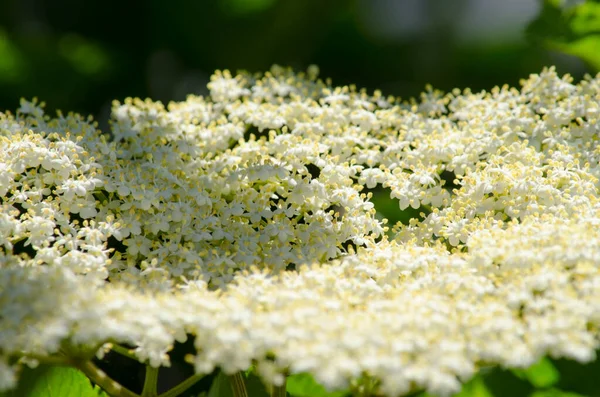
[186,220]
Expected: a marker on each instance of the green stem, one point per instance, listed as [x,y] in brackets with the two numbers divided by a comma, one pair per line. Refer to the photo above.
[129,353]
[183,386]
[53,360]
[279,391]
[237,385]
[150,382]
[100,378]
[102,197]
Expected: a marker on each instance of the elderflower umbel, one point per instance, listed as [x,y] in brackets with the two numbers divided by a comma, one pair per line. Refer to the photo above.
[244,219]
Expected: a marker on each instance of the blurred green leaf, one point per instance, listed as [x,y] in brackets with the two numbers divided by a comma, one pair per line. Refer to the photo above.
[221,386]
[574,30]
[554,393]
[304,385]
[254,386]
[501,382]
[585,18]
[390,208]
[578,377]
[475,388]
[586,48]
[52,381]
[541,375]
[11,60]
[84,56]
[242,7]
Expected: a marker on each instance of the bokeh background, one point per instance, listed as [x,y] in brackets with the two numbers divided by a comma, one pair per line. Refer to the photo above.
[80,55]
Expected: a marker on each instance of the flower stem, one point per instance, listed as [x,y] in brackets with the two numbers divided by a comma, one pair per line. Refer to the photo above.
[150,382]
[183,386]
[237,385]
[100,378]
[123,351]
[52,360]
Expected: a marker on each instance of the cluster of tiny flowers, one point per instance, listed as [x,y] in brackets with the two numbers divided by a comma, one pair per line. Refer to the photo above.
[245,219]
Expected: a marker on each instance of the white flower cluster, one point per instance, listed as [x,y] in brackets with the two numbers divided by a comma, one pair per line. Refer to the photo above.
[243,219]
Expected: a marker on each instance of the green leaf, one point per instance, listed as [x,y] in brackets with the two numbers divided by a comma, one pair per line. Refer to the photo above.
[554,393]
[84,56]
[575,377]
[475,388]
[12,63]
[502,382]
[255,386]
[587,48]
[586,18]
[572,30]
[53,381]
[221,386]
[541,375]
[304,385]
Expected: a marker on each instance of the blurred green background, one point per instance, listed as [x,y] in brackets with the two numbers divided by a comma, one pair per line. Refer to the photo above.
[80,55]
